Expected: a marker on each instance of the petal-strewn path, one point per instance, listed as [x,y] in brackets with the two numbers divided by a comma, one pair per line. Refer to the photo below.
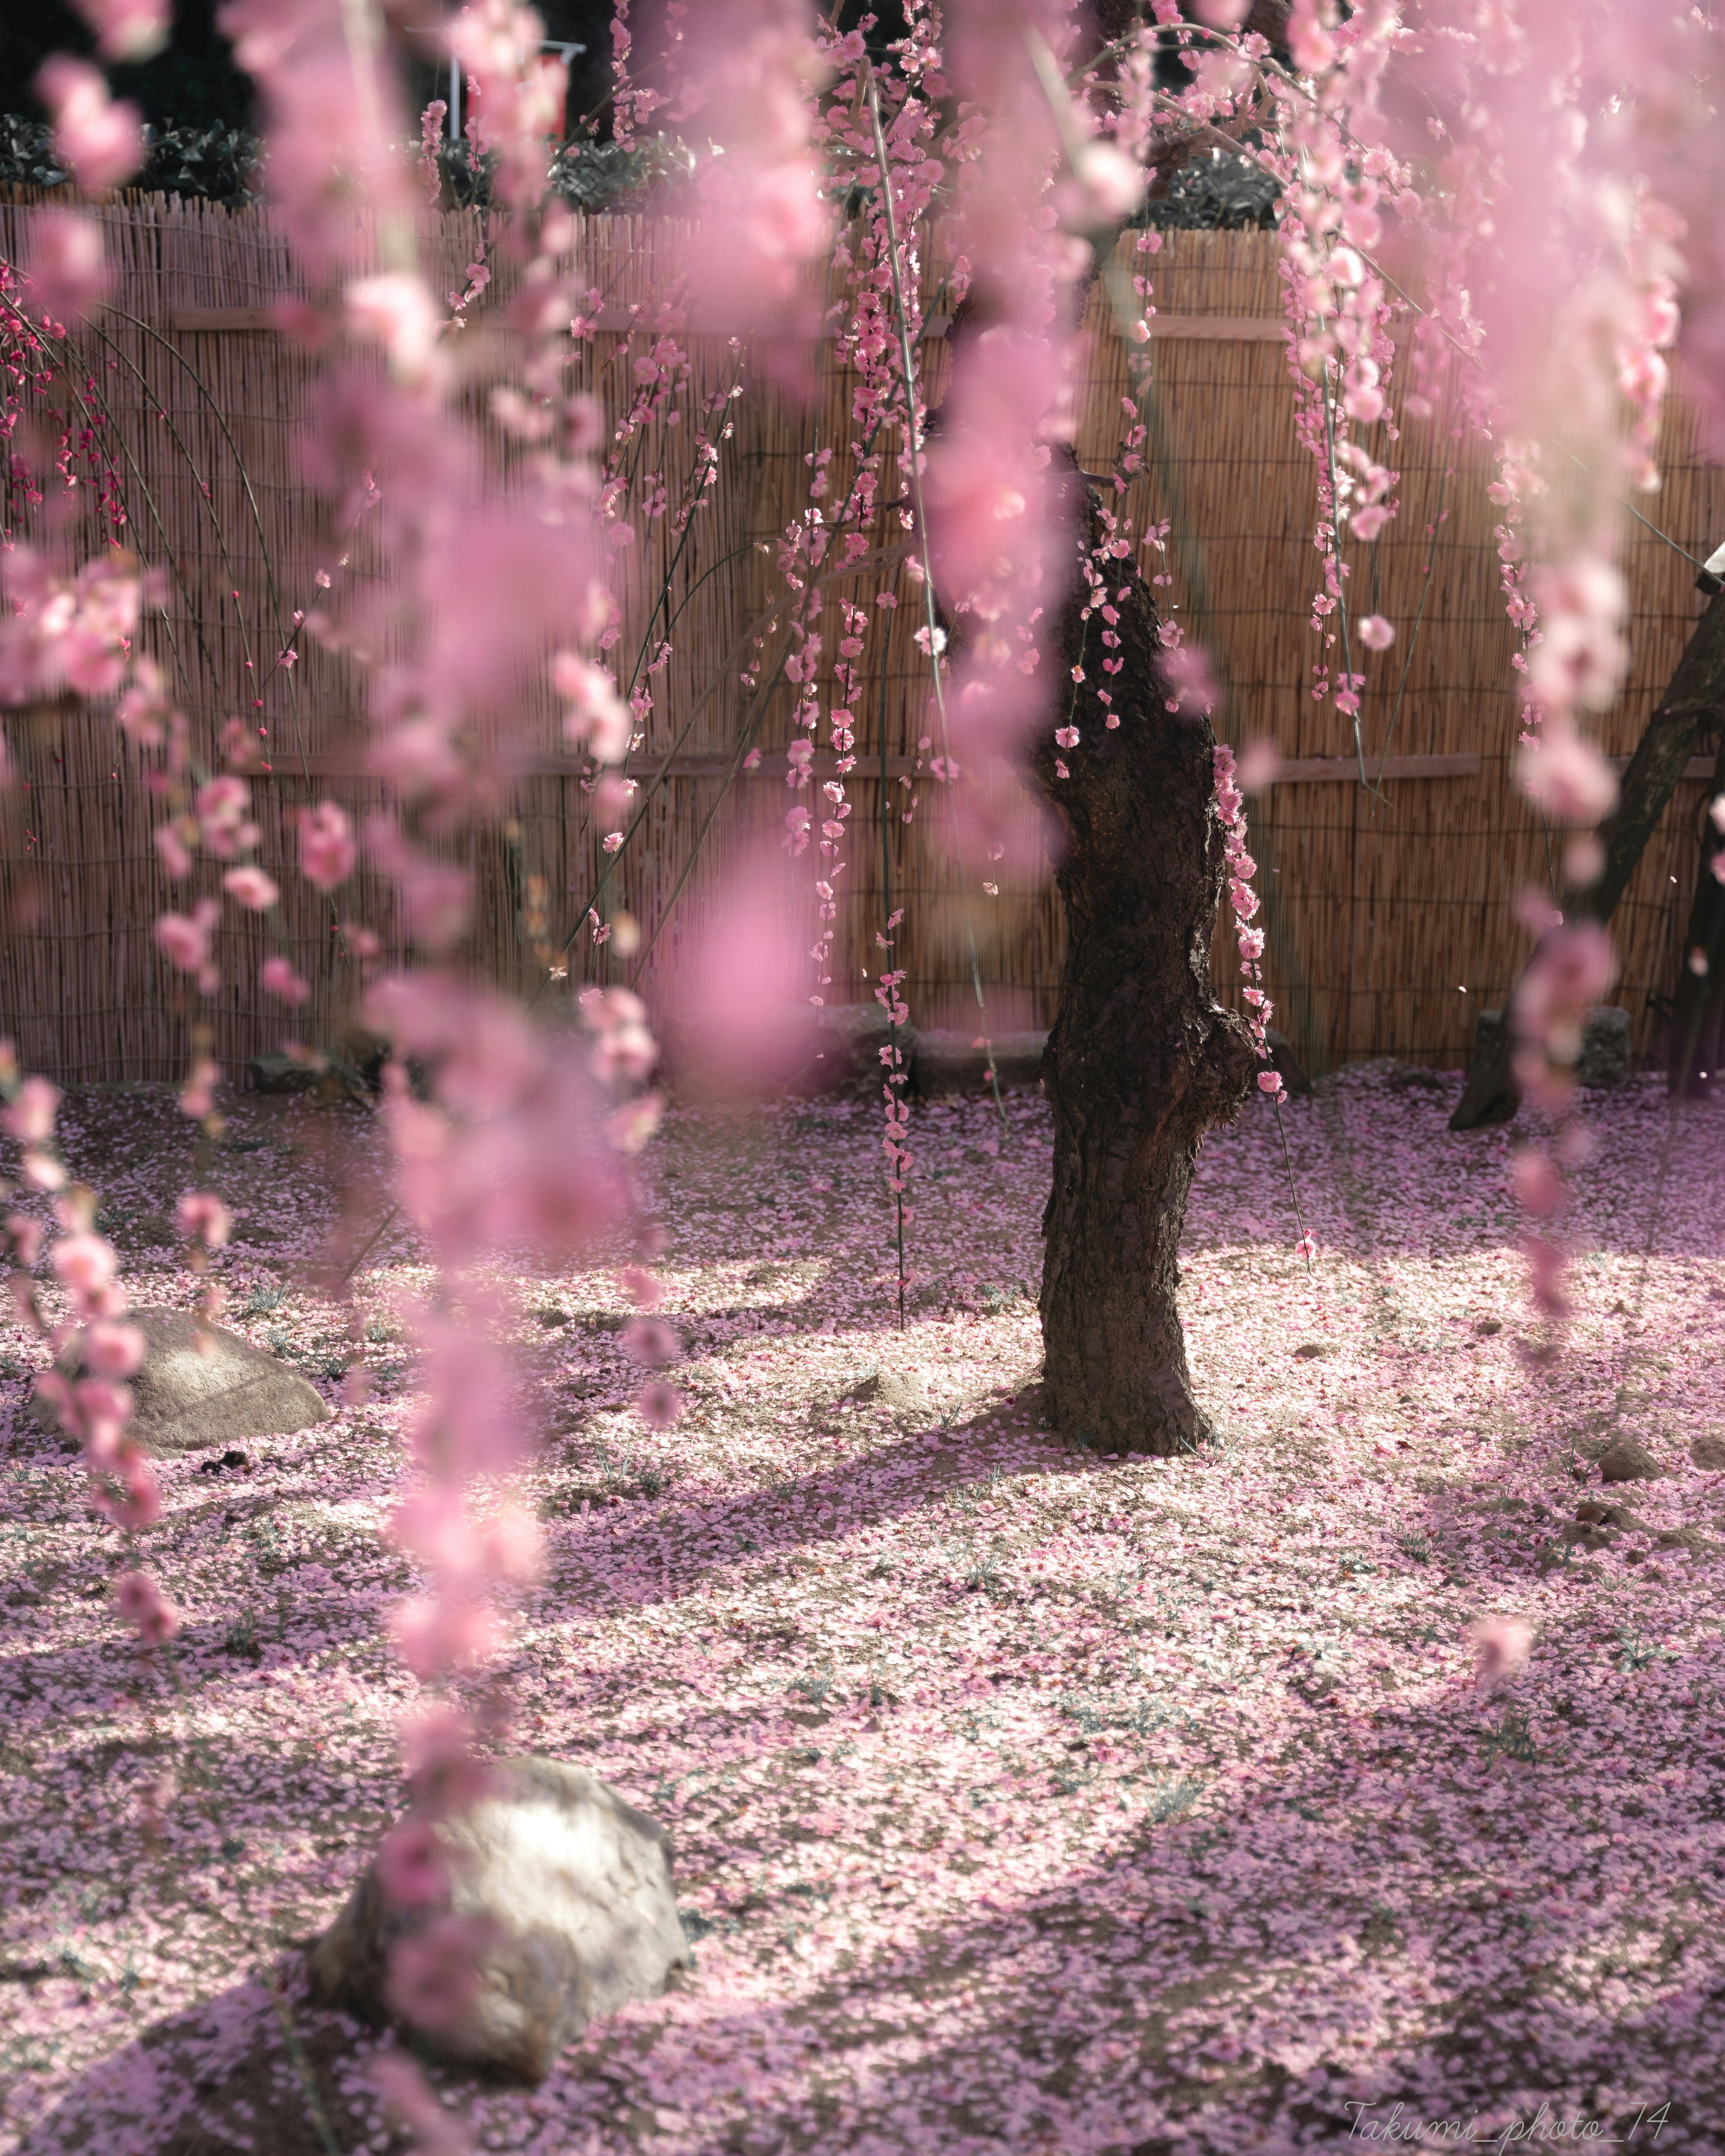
[1022,1799]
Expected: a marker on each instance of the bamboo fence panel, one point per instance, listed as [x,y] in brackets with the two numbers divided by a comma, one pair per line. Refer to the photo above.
[1391,910]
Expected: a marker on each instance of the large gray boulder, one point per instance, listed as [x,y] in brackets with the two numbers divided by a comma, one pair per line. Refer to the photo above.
[572,1890]
[200,1385]
[952,1063]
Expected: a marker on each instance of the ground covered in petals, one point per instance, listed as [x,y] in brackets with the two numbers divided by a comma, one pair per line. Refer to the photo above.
[1022,1799]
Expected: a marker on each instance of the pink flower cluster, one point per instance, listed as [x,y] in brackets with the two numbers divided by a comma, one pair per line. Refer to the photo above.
[1231,807]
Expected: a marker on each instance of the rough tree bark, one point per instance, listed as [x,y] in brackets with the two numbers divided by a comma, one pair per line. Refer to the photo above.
[1693,702]
[1698,1008]
[1142,1060]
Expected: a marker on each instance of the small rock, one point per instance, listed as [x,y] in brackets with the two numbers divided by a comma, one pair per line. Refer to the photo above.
[890,1389]
[1486,1327]
[574,1886]
[1309,1351]
[1627,1459]
[232,1458]
[199,1385]
[274,1072]
[1707,1451]
[1590,1535]
[1691,1539]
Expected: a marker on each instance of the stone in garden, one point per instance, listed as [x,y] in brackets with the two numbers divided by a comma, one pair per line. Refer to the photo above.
[890,1387]
[1707,1451]
[201,1385]
[274,1072]
[573,1887]
[951,1063]
[1691,1539]
[1627,1459]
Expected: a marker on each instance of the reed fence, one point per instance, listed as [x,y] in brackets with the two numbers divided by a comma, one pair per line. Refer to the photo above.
[1391,907]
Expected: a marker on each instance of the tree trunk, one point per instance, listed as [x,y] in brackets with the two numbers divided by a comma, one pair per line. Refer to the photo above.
[1698,1008]
[1142,1060]
[1694,700]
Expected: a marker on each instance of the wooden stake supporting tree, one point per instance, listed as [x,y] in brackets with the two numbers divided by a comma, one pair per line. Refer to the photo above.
[1693,703]
[1142,1060]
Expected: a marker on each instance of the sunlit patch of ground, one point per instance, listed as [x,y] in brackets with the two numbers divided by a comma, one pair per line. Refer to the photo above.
[1022,1799]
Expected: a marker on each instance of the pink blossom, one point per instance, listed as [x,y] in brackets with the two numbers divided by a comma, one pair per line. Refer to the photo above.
[1067,737]
[619,1019]
[630,1126]
[1269,1081]
[515,1547]
[659,1405]
[276,978]
[126,29]
[101,142]
[1566,776]
[29,1115]
[436,1749]
[1310,43]
[327,851]
[650,1340]
[198,1094]
[1260,761]
[42,1171]
[598,717]
[433,1974]
[203,1219]
[143,1606]
[1581,656]
[411,1866]
[1188,668]
[99,1408]
[644,1289]
[26,1236]
[113,1351]
[1375,632]
[400,2083]
[171,848]
[68,272]
[1536,1182]
[183,939]
[435,1637]
[85,1262]
[396,309]
[223,815]
[1106,187]
[252,888]
[1501,1645]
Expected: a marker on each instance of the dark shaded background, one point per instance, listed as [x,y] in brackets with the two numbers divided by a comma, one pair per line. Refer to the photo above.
[194,83]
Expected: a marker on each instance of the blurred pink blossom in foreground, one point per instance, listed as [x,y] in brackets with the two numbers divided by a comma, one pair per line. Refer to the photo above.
[1501,1645]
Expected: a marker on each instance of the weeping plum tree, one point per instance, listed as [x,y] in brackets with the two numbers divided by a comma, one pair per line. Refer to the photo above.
[1142,1060]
